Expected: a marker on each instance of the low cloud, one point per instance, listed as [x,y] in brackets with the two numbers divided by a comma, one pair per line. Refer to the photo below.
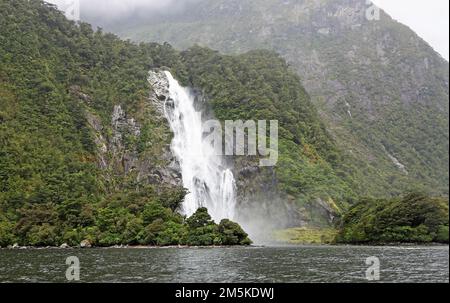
[108,11]
[119,8]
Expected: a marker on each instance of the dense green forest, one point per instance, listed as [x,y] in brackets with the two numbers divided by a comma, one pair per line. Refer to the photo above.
[65,172]
[52,190]
[415,217]
[55,75]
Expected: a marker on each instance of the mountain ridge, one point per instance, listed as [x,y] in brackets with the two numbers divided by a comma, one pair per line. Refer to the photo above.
[380,88]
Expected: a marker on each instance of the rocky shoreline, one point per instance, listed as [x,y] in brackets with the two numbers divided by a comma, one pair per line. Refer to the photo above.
[67,247]
[64,247]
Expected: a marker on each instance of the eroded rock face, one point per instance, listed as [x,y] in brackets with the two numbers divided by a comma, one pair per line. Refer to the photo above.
[123,126]
[116,142]
[160,89]
[159,94]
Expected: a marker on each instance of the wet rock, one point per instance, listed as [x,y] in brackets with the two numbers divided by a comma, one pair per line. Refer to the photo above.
[326,209]
[160,89]
[248,171]
[85,244]
[117,151]
[64,246]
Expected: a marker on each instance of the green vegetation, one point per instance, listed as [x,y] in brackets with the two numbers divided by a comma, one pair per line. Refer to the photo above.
[304,235]
[203,231]
[68,173]
[59,83]
[414,218]
[51,188]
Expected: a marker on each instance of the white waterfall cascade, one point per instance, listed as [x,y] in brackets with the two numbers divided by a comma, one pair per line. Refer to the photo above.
[209,182]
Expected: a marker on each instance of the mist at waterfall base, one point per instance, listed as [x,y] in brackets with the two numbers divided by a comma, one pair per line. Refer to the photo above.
[207,176]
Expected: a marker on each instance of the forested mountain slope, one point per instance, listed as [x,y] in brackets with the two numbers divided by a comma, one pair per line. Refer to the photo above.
[84,153]
[381,90]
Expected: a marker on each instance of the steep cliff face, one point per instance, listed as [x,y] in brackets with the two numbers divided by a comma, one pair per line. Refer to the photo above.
[381,89]
[85,150]
[120,150]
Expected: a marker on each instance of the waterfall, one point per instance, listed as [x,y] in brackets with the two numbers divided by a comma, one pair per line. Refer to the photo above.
[209,182]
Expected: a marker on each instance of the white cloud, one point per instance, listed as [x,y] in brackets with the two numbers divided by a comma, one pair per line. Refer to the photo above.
[116,8]
[429,19]
[120,8]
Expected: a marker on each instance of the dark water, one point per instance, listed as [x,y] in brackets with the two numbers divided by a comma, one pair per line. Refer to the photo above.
[270,264]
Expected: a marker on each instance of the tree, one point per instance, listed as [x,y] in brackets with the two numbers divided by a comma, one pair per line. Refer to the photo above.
[200,218]
[233,234]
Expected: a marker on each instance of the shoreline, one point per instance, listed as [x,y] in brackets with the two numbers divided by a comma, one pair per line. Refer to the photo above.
[141,247]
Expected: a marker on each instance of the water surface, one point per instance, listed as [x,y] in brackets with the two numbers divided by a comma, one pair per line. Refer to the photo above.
[250,264]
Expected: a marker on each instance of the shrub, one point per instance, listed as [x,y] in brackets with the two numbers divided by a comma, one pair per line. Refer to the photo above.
[232,233]
[42,235]
[443,234]
[7,236]
[173,234]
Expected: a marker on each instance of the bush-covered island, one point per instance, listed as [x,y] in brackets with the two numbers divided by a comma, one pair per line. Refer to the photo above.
[155,226]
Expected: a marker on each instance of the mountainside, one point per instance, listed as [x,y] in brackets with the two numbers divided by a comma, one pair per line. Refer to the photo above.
[77,152]
[380,89]
[309,184]
[85,151]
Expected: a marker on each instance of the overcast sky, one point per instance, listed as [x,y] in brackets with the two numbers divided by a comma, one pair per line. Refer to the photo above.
[428,18]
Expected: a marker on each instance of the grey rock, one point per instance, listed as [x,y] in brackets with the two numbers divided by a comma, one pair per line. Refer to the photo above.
[160,89]
[85,244]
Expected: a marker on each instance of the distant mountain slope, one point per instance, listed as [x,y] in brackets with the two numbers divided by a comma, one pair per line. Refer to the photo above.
[382,91]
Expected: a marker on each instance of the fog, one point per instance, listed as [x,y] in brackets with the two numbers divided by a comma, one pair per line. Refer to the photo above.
[109,12]
[121,8]
[428,18]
